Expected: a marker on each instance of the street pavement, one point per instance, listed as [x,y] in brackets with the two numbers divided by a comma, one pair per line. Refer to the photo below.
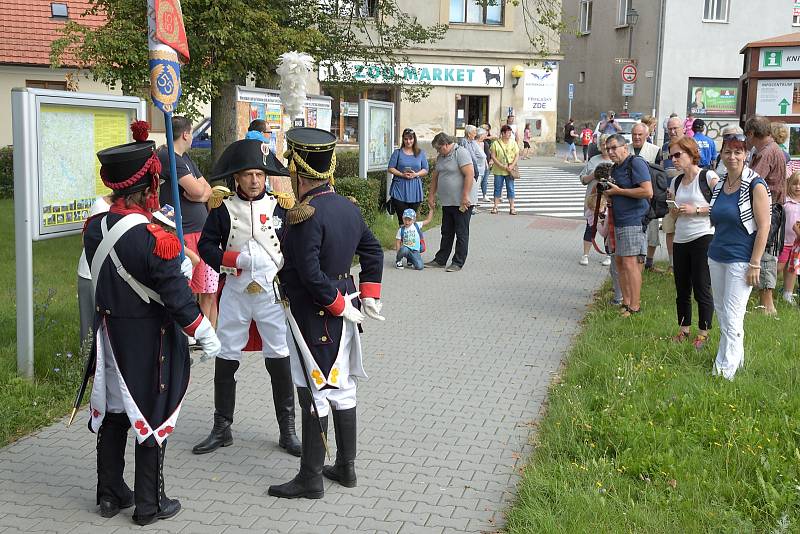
[458,375]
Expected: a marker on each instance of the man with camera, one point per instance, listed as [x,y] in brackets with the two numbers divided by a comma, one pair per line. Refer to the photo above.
[628,190]
[610,126]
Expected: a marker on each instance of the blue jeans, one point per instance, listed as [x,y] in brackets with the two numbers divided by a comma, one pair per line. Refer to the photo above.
[485,180]
[499,179]
[412,255]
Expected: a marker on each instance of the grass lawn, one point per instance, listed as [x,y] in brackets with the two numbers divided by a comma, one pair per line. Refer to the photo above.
[385,227]
[639,437]
[26,405]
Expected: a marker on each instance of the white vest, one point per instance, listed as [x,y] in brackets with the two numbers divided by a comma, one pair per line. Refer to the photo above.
[649,151]
[253,224]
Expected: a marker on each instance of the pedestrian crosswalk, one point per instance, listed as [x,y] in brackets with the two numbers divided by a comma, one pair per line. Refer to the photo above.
[551,191]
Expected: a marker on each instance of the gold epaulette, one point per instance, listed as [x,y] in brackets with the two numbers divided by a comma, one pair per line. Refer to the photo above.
[285,200]
[218,194]
[301,212]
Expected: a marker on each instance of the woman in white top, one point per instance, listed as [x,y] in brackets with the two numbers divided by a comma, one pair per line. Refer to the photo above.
[691,193]
[85,293]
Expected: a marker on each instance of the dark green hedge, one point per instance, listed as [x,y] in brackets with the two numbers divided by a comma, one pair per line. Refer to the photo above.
[366,192]
[202,157]
[6,172]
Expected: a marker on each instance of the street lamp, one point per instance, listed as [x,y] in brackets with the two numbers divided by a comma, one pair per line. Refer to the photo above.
[631,18]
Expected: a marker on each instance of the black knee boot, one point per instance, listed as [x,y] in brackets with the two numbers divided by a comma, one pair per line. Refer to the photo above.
[344,471]
[224,404]
[152,502]
[280,374]
[113,494]
[308,482]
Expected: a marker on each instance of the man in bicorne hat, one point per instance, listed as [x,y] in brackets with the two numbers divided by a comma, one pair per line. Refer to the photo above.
[241,239]
[144,311]
[325,231]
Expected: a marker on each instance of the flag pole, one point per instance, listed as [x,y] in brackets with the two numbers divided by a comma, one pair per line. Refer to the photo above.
[176,198]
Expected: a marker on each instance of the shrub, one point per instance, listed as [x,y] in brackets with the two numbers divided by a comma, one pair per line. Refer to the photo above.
[366,192]
[6,172]
[202,157]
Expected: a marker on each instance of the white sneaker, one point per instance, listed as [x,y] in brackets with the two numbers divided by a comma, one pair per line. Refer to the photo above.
[399,264]
[606,261]
[584,260]
[789,298]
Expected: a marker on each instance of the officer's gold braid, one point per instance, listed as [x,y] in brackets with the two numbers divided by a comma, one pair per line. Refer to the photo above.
[296,160]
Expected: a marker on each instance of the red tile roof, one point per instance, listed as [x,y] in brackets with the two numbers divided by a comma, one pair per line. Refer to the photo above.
[27,29]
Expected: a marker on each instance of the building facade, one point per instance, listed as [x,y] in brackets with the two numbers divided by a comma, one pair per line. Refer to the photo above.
[470,75]
[686,54]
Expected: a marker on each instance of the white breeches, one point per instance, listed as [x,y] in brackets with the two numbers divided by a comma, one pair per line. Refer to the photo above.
[237,310]
[342,398]
[731,292]
[114,402]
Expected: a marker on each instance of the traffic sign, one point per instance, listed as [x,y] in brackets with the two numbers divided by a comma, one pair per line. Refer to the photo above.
[629,73]
[628,89]
[571,91]
[621,60]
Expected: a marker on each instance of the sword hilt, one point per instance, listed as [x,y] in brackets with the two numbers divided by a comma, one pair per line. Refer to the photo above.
[75,411]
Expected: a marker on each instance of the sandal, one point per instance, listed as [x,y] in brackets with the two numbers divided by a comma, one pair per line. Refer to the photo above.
[681,337]
[700,341]
[512,212]
[628,311]
[493,211]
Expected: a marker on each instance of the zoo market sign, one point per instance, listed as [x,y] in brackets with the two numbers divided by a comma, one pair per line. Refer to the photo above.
[416,73]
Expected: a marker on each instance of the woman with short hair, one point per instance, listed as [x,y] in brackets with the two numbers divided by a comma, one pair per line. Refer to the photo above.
[691,193]
[505,155]
[407,165]
[740,213]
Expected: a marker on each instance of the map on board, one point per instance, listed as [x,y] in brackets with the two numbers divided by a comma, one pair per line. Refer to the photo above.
[69,138]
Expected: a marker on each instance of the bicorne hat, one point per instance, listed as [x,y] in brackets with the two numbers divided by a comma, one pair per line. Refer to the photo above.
[311,153]
[132,167]
[247,154]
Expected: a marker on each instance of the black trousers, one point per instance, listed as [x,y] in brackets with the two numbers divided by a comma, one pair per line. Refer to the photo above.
[455,225]
[399,206]
[690,265]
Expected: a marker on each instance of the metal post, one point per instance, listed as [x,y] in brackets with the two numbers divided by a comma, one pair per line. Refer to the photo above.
[569,110]
[21,120]
[630,52]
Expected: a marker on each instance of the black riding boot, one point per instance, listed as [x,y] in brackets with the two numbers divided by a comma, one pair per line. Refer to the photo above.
[113,494]
[224,404]
[280,374]
[344,471]
[152,503]
[308,482]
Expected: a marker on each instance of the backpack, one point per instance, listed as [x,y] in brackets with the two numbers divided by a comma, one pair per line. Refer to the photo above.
[422,246]
[660,182]
[475,173]
[704,188]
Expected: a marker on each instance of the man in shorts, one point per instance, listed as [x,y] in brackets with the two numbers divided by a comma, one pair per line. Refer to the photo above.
[194,193]
[674,133]
[629,194]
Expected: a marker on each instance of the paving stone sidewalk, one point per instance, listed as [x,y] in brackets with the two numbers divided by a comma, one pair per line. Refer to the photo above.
[458,373]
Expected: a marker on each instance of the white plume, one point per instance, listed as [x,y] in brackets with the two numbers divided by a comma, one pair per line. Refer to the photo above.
[293,70]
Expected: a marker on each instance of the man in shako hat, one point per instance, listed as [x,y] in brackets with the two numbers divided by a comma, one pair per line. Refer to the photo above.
[241,239]
[144,313]
[325,231]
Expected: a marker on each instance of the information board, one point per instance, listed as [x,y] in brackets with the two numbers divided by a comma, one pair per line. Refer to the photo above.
[375,135]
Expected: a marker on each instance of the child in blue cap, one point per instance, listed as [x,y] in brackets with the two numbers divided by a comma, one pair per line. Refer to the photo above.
[410,242]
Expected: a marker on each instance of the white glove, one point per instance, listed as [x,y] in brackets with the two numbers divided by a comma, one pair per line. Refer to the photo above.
[186,268]
[372,308]
[207,338]
[350,312]
[244,261]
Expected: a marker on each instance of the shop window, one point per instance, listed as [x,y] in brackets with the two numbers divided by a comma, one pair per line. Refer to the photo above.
[471,109]
[716,11]
[475,12]
[46,84]
[622,12]
[344,110]
[346,8]
[586,17]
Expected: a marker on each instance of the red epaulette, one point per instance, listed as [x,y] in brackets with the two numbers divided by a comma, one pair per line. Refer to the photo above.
[167,245]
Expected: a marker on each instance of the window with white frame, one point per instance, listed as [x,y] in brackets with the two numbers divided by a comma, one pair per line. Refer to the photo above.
[586,16]
[349,8]
[716,10]
[796,14]
[476,12]
[622,12]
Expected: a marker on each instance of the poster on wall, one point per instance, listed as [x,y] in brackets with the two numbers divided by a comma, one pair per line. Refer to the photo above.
[712,97]
[376,132]
[540,90]
[778,97]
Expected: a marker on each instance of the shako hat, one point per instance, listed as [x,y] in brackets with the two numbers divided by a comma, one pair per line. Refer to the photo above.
[311,153]
[247,154]
[132,167]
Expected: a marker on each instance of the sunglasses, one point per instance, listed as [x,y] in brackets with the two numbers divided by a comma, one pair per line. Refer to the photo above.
[408,131]
[675,155]
[734,137]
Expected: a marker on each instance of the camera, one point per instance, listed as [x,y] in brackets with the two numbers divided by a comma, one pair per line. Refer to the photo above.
[603,176]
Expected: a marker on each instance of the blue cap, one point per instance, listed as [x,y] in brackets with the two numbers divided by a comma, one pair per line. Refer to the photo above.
[408,213]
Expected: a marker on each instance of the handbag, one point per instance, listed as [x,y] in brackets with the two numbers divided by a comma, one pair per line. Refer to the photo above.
[513,172]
